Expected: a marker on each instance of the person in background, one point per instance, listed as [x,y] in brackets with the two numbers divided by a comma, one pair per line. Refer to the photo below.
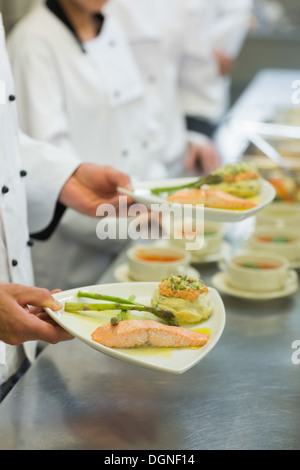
[230,23]
[204,97]
[85,86]
[172,47]
[37,183]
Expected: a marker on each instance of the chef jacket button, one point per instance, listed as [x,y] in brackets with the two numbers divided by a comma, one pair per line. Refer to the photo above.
[152,79]
[23,173]
[30,243]
[4,189]
[14,262]
[12,98]
[112,43]
[145,145]
[117,94]
[125,153]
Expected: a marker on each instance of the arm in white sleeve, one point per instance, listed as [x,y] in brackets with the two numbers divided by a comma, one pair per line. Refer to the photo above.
[215,25]
[48,155]
[48,169]
[199,97]
[231,25]
[40,94]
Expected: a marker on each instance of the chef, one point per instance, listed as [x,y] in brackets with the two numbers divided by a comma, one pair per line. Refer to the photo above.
[37,182]
[222,27]
[229,25]
[89,92]
[171,43]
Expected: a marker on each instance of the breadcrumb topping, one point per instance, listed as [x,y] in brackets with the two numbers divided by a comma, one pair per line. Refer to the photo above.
[238,171]
[183,287]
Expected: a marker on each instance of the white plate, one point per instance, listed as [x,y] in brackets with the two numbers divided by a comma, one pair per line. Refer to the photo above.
[122,274]
[220,282]
[141,193]
[170,360]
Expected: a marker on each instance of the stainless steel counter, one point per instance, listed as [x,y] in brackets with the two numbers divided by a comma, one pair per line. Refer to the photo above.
[244,395]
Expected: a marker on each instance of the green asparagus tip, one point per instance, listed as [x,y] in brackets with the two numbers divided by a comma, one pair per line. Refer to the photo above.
[205,180]
[210,179]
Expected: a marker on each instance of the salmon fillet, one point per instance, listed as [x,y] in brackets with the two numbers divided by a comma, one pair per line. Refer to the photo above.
[137,333]
[210,197]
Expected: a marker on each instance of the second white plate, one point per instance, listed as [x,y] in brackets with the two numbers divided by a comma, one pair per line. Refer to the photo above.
[142,194]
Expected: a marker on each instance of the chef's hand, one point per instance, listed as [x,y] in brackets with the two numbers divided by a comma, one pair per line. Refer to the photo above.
[203,157]
[92,185]
[225,63]
[20,323]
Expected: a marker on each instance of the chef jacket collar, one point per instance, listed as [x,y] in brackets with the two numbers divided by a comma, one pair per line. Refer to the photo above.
[58,11]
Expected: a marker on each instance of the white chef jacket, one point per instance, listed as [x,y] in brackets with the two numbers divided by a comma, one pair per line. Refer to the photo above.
[105,107]
[228,24]
[171,42]
[30,183]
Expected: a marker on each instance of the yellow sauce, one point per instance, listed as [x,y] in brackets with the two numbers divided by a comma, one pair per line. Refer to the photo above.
[145,351]
[205,331]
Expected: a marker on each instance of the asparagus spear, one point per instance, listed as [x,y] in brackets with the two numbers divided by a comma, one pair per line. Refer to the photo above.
[89,295]
[209,179]
[120,317]
[75,307]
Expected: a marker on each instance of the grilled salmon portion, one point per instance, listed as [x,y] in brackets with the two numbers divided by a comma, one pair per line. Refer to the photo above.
[211,197]
[138,333]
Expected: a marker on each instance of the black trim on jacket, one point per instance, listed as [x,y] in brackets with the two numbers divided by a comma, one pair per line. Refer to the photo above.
[55,7]
[201,126]
[46,234]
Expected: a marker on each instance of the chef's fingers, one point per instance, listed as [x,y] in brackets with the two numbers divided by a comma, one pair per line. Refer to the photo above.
[34,327]
[35,296]
[209,157]
[117,179]
[190,158]
[36,310]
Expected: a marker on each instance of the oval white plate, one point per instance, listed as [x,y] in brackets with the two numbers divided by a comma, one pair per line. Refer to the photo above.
[220,281]
[168,360]
[141,193]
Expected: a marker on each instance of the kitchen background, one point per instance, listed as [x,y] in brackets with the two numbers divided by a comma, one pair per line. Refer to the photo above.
[273,42]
